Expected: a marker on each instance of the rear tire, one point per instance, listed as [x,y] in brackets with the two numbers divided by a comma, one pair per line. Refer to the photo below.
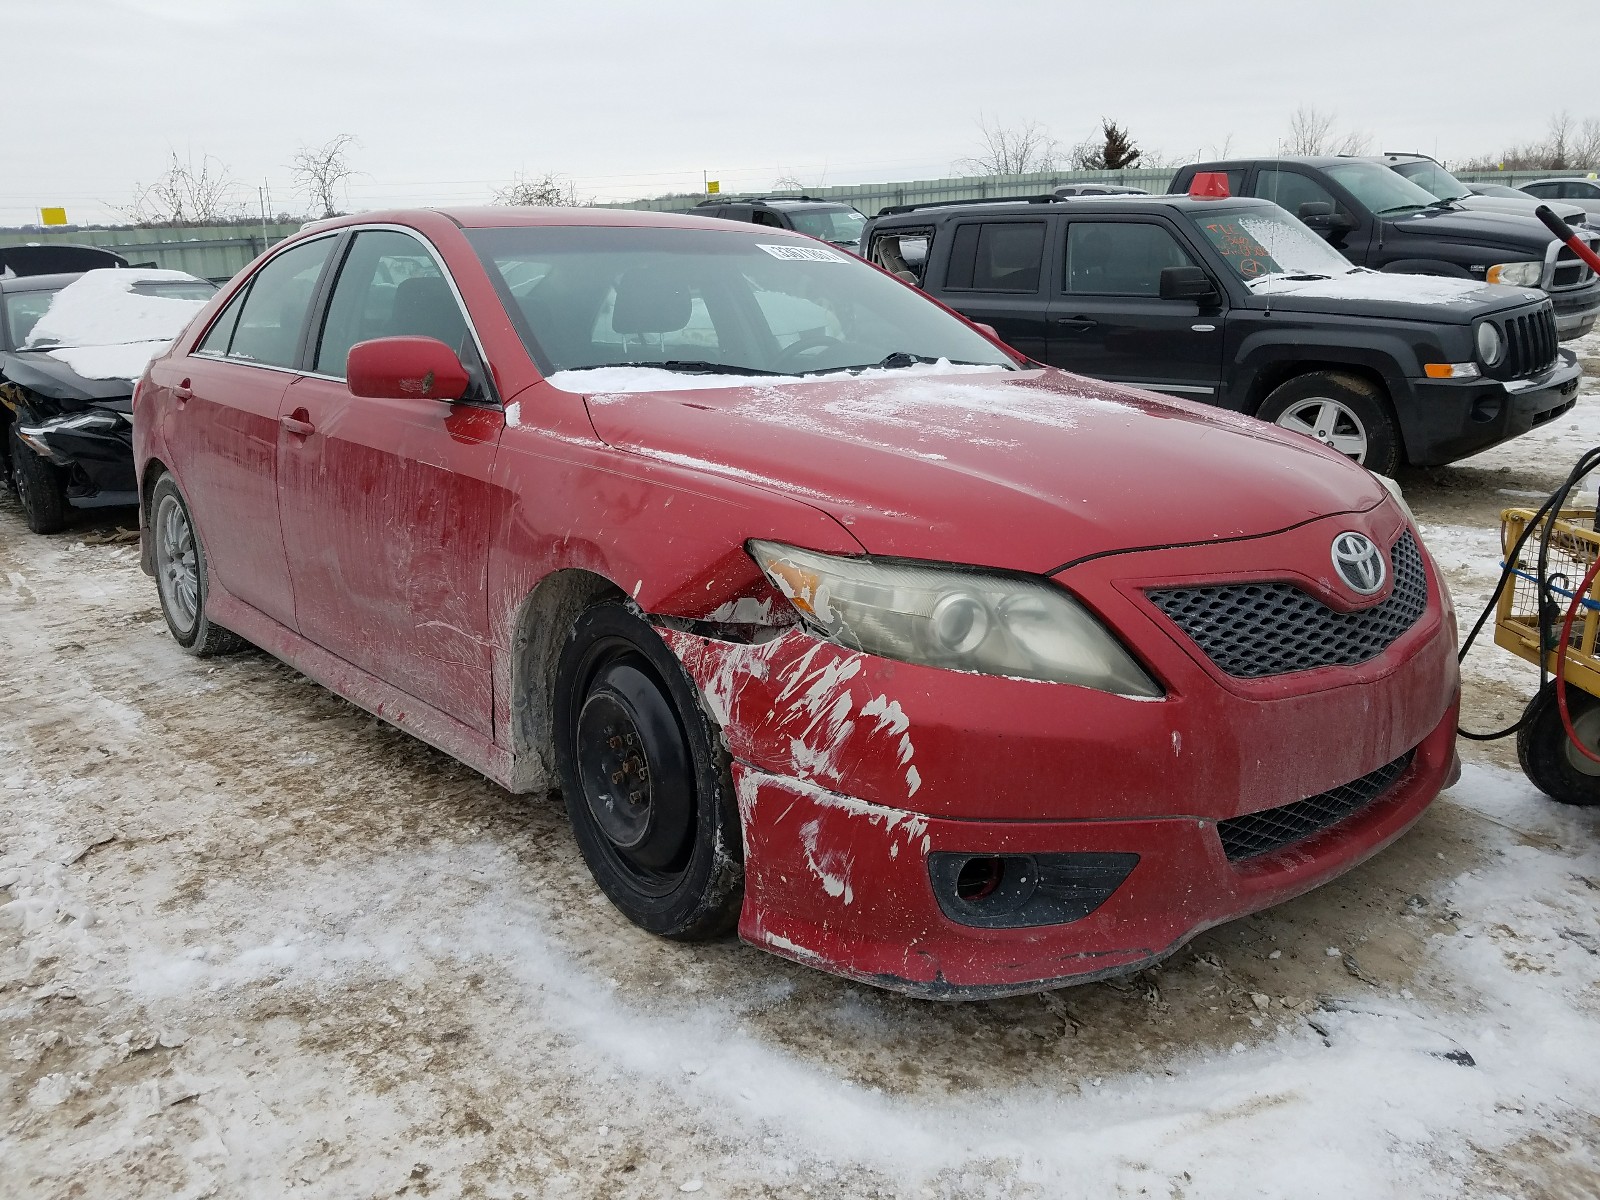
[1344,412]
[41,487]
[1548,757]
[646,780]
[181,575]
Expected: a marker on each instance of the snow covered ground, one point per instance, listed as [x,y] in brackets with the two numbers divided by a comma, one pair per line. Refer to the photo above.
[254,943]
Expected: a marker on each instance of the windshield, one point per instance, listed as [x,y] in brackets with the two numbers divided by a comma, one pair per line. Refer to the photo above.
[1263,242]
[843,225]
[1379,188]
[112,307]
[1431,177]
[704,301]
[23,310]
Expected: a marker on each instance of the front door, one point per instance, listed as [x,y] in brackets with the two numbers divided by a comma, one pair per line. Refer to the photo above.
[227,395]
[1108,319]
[387,505]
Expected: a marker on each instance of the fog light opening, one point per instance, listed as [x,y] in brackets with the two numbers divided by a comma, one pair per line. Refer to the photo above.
[1487,409]
[979,879]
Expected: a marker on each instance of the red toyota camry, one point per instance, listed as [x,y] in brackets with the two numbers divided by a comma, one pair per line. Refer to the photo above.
[833,619]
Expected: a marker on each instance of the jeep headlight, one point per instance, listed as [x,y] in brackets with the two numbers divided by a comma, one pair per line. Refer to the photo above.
[963,620]
[1516,274]
[1491,343]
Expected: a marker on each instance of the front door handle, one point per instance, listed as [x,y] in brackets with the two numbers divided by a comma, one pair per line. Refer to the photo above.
[1075,323]
[183,392]
[299,423]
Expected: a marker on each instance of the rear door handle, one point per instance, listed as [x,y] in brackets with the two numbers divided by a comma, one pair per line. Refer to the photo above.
[299,423]
[1075,323]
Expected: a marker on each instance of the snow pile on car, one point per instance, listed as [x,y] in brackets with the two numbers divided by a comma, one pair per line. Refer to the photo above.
[103,329]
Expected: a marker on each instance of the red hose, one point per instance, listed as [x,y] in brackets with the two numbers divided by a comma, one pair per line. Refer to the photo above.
[1561,661]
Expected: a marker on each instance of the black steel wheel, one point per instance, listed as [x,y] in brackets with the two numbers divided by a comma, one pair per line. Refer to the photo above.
[180,562]
[1344,412]
[41,487]
[1549,759]
[646,780]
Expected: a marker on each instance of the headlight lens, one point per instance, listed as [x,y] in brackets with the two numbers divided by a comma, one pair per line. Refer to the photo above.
[1491,343]
[1399,496]
[1515,274]
[941,616]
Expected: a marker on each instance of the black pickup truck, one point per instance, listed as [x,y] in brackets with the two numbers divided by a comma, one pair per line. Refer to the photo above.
[1377,218]
[1235,302]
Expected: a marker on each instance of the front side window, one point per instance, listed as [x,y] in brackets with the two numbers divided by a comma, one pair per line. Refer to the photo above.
[996,256]
[389,286]
[1292,191]
[1545,191]
[841,225]
[1120,258]
[275,311]
[736,302]
[1380,189]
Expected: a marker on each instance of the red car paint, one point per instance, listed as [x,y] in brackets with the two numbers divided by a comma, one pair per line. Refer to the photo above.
[402,553]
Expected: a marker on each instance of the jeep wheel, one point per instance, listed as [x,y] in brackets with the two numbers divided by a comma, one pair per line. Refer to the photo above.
[1343,412]
[41,490]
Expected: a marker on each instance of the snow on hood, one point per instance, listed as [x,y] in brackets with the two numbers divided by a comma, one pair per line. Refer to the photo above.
[101,328]
[1022,469]
[623,380]
[1362,284]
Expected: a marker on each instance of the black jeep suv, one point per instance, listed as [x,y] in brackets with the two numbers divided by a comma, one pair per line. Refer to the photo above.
[1376,218]
[1236,303]
[825,219]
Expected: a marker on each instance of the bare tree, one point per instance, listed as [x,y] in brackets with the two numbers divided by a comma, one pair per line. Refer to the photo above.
[1309,131]
[318,171]
[1018,150]
[184,194]
[1558,136]
[1586,144]
[1567,145]
[549,190]
[1221,149]
[788,183]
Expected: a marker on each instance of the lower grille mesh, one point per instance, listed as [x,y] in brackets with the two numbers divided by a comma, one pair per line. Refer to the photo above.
[1274,828]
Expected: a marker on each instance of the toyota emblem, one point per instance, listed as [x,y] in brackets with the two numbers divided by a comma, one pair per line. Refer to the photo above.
[1359,563]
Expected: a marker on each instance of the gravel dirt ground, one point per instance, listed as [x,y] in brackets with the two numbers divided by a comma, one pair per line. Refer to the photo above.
[255,943]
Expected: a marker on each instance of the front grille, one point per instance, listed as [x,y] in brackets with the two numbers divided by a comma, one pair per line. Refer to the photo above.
[1571,271]
[1252,630]
[1531,343]
[1274,828]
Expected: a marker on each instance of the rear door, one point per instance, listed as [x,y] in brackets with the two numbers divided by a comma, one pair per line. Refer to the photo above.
[387,506]
[224,437]
[1107,318]
[995,274]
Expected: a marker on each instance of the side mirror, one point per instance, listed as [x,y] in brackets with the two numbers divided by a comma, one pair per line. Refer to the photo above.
[1320,216]
[1186,283]
[988,329]
[404,368]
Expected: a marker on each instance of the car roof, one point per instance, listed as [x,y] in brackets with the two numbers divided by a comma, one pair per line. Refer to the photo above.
[499,216]
[1302,160]
[37,283]
[1567,179]
[1181,201]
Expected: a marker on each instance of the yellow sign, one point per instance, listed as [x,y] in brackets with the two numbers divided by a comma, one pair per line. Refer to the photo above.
[713,187]
[52,216]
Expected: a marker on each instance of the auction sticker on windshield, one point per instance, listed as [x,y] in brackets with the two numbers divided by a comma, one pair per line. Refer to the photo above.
[803,253]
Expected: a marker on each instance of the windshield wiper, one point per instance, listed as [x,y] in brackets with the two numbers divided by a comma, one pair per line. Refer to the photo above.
[688,366]
[900,359]
[1445,202]
[1401,208]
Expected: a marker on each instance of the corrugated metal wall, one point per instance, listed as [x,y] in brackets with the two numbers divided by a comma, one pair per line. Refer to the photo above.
[210,251]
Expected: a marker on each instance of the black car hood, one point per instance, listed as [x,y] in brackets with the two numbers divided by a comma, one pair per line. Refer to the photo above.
[56,259]
[1393,296]
[49,377]
[1486,228]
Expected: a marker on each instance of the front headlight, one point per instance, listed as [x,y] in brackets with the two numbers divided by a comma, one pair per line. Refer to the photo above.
[1516,274]
[1399,496]
[941,616]
[1491,343]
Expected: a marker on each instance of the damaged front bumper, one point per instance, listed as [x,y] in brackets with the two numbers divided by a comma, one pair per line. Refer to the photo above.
[94,447]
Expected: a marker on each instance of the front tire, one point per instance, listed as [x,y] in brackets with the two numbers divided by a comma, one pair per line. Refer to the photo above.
[1549,759]
[1344,412]
[41,487]
[646,781]
[181,575]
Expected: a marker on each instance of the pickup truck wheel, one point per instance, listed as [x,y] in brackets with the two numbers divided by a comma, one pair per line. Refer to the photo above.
[1344,412]
[180,562]
[646,781]
[41,489]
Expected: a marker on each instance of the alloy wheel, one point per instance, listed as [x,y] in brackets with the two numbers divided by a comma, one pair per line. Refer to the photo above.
[1330,422]
[177,563]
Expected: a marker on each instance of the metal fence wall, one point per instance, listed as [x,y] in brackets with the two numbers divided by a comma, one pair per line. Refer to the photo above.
[870,197]
[210,251]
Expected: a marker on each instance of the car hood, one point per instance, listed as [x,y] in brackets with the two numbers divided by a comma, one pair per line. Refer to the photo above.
[53,378]
[1509,230]
[1395,296]
[1021,470]
[1570,213]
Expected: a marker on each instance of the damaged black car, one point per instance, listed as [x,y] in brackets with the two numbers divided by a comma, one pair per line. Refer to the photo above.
[72,345]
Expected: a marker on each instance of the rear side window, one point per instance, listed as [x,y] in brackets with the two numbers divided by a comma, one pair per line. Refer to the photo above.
[902,252]
[389,286]
[1120,258]
[274,312]
[996,256]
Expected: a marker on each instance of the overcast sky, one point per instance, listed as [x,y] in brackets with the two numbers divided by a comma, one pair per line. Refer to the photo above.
[450,98]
